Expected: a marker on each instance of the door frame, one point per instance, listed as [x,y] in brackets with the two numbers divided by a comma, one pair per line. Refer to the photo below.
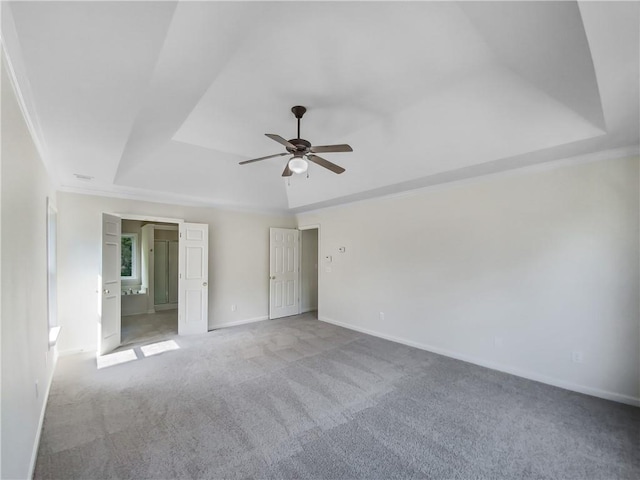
[311,226]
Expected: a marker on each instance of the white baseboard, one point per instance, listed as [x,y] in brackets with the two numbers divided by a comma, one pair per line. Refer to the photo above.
[73,351]
[595,392]
[36,442]
[166,306]
[135,313]
[238,322]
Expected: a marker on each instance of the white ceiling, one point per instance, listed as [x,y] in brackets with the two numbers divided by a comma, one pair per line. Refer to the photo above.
[161,100]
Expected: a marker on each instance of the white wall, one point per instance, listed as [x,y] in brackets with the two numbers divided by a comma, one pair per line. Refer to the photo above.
[238,260]
[515,272]
[26,357]
[309,270]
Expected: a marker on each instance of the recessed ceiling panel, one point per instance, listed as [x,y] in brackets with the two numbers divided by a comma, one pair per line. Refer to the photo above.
[351,64]
[476,120]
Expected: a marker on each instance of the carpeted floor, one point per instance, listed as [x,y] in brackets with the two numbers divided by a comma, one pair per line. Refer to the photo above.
[299,398]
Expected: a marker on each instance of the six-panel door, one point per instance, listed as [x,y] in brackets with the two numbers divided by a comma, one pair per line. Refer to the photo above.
[283,272]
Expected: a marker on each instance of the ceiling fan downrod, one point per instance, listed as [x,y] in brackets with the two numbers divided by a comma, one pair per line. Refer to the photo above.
[298,111]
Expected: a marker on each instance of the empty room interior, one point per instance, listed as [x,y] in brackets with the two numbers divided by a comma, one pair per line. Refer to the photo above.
[309,240]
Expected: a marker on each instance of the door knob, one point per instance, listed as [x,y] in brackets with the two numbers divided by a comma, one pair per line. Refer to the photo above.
[204,284]
[273,278]
[106,291]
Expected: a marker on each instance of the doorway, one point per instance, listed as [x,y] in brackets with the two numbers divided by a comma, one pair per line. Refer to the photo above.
[149,274]
[309,270]
[293,271]
[129,274]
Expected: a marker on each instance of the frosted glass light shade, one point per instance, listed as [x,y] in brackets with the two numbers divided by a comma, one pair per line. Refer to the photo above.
[298,165]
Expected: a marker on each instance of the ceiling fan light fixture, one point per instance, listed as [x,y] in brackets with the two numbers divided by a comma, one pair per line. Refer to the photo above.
[298,165]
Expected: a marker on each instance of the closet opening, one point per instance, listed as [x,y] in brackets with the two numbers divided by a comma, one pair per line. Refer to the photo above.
[309,260]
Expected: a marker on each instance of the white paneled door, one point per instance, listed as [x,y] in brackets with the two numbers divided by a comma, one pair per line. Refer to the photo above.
[193,281]
[283,272]
[109,284]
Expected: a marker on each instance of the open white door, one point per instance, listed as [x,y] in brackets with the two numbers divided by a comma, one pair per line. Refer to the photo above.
[193,290]
[283,272]
[109,296]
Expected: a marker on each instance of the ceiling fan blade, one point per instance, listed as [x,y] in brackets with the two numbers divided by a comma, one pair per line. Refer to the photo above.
[287,171]
[325,163]
[264,158]
[331,148]
[281,140]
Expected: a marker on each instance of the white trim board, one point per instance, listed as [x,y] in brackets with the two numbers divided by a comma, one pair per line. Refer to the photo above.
[45,400]
[163,307]
[23,94]
[594,392]
[238,322]
[74,351]
[629,151]
[151,218]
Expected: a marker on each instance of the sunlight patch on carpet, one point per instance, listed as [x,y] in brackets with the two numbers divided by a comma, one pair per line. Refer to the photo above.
[160,347]
[117,358]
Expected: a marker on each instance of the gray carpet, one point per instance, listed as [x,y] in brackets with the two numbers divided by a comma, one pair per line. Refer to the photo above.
[299,398]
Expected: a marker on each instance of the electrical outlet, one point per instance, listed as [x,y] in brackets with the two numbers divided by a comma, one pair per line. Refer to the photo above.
[577,357]
[381,315]
[233,307]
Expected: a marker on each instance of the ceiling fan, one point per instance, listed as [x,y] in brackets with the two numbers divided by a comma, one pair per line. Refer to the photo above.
[301,148]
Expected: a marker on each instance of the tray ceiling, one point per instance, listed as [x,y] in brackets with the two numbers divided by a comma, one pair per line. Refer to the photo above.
[161,100]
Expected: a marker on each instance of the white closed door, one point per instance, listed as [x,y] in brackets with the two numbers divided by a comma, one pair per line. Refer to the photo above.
[109,285]
[283,272]
[193,281]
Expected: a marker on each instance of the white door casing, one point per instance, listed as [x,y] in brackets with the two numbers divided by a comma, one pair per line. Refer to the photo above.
[147,266]
[109,284]
[283,272]
[193,289]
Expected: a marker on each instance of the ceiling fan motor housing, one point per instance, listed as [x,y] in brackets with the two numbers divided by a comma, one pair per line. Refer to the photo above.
[302,146]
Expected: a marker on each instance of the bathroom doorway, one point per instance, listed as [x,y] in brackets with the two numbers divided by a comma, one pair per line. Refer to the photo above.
[149,274]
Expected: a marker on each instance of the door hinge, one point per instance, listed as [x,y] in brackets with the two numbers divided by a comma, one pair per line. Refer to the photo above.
[180,234]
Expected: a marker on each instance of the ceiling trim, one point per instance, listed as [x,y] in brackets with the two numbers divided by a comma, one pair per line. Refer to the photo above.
[168,198]
[32,125]
[612,154]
